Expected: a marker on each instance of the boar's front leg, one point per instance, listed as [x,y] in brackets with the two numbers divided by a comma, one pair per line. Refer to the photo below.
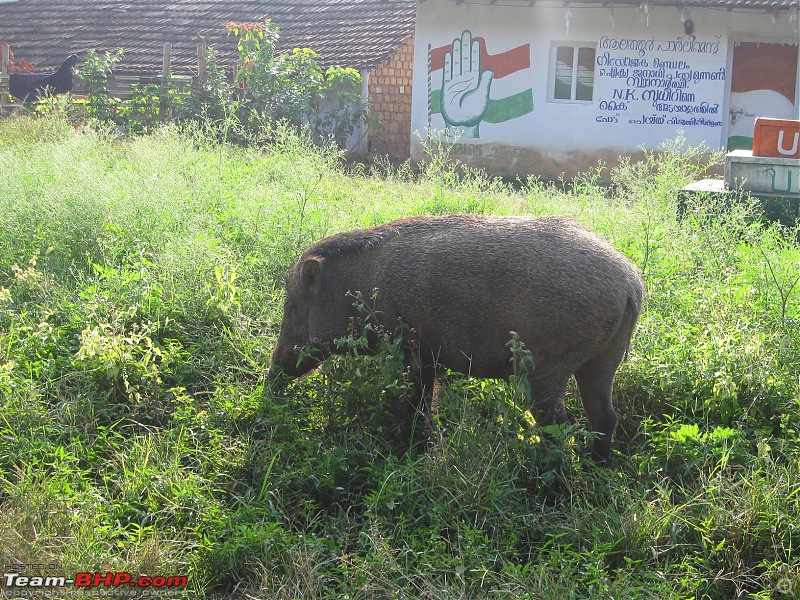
[418,400]
[547,395]
[423,375]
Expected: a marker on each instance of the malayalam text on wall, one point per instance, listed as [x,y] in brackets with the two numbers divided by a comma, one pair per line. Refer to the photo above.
[675,82]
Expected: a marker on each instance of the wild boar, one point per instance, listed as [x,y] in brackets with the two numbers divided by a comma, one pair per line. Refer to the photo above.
[463,283]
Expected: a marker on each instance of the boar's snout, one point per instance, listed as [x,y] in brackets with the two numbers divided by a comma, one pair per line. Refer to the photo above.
[278,377]
[286,368]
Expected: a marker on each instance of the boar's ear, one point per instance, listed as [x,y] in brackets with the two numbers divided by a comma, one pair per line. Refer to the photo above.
[311,274]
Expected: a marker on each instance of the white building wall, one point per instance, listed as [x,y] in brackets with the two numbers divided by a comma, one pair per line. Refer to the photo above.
[651,79]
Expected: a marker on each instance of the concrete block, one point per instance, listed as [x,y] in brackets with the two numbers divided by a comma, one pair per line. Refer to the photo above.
[762,174]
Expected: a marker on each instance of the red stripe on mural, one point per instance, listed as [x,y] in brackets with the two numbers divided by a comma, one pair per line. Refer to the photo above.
[502,64]
[765,67]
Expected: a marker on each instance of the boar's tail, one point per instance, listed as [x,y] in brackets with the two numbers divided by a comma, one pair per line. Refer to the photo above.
[633,309]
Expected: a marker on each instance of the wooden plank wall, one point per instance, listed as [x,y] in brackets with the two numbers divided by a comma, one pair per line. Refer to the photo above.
[119,86]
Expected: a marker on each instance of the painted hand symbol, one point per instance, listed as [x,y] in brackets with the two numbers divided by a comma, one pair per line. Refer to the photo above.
[465,89]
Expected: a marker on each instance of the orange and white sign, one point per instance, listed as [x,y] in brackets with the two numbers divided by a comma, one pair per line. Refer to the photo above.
[779,138]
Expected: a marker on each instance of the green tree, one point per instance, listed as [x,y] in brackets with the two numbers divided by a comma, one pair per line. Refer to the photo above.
[95,73]
[293,87]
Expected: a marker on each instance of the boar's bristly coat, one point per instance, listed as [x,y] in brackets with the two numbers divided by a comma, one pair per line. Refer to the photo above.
[463,283]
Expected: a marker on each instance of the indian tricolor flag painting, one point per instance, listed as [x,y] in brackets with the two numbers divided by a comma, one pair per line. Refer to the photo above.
[467,85]
[763,83]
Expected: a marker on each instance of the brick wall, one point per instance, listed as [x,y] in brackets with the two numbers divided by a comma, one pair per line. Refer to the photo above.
[390,97]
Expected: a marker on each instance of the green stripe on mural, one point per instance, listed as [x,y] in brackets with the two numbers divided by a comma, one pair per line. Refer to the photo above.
[740,142]
[436,102]
[509,108]
[498,111]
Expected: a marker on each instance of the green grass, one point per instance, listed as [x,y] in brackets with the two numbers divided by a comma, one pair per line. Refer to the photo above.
[141,293]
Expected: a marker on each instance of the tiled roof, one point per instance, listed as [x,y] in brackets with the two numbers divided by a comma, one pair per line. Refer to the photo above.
[353,33]
[726,4]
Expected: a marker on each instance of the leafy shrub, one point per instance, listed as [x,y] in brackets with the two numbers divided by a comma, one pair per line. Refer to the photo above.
[684,451]
[213,103]
[95,74]
[293,87]
[140,114]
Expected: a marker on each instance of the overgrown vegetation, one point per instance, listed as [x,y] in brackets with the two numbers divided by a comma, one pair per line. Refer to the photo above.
[292,88]
[141,293]
[270,88]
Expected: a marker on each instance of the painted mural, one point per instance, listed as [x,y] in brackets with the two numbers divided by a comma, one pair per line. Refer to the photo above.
[763,84]
[555,90]
[468,86]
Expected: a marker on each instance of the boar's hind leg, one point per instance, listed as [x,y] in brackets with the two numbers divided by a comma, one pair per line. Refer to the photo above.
[595,380]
